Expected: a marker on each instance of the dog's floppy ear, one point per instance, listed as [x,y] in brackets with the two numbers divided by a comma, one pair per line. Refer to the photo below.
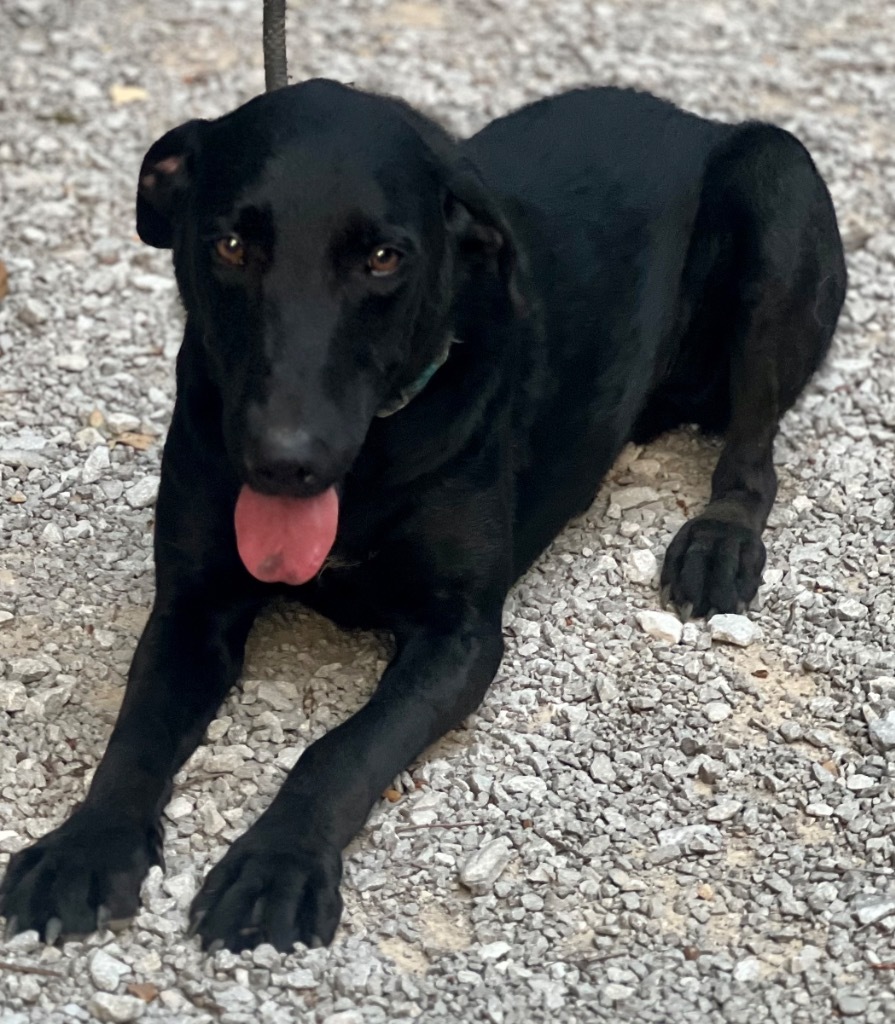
[483,228]
[163,180]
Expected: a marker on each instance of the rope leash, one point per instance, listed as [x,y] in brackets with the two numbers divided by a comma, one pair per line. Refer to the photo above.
[274,41]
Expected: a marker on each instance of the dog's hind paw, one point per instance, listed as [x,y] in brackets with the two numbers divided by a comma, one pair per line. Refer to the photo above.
[261,893]
[712,566]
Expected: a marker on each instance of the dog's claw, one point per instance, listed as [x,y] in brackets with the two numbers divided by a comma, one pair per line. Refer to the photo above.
[12,927]
[316,942]
[685,611]
[195,924]
[215,947]
[258,912]
[52,931]
[103,917]
[665,595]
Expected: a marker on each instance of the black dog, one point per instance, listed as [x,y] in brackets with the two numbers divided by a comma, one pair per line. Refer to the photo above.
[408,362]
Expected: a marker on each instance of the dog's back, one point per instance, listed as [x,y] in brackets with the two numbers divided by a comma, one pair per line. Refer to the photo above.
[635,229]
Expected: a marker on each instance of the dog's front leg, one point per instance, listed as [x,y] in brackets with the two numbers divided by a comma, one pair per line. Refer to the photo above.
[88,871]
[279,883]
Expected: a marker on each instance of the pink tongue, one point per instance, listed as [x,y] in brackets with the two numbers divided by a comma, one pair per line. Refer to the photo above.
[285,540]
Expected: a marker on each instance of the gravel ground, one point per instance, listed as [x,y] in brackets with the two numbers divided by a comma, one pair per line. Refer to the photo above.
[636,826]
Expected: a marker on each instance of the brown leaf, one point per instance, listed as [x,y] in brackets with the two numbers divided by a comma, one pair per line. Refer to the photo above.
[96,419]
[141,442]
[392,795]
[143,990]
[4,281]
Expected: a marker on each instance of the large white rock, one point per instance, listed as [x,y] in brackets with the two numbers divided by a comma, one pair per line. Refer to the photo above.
[734,629]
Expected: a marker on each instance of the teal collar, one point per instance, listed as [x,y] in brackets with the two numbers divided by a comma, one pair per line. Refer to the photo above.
[410,392]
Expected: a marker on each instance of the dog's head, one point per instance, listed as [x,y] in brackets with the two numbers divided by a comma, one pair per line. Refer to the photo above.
[320,234]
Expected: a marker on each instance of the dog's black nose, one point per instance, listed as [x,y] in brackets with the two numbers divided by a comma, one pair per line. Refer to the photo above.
[284,461]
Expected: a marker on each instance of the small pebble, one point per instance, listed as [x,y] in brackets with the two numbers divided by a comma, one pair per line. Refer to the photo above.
[882,731]
[143,493]
[747,970]
[95,465]
[661,625]
[117,1009]
[494,951]
[858,782]
[723,810]
[633,497]
[851,609]
[871,909]
[734,629]
[482,869]
[849,1004]
[73,362]
[641,566]
[616,993]
[106,971]
[718,711]
[28,670]
[122,422]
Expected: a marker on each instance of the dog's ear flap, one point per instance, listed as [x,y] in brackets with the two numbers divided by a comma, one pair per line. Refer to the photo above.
[474,213]
[164,177]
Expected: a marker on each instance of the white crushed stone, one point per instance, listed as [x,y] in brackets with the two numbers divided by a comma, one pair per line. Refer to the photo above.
[483,867]
[95,465]
[106,971]
[734,629]
[724,810]
[642,566]
[661,625]
[117,1009]
[882,731]
[142,493]
[601,750]
[633,497]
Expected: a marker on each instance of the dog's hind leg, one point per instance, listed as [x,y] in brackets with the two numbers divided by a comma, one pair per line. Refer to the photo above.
[784,287]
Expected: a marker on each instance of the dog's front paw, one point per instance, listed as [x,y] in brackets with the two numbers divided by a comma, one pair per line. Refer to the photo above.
[263,892]
[712,566]
[81,877]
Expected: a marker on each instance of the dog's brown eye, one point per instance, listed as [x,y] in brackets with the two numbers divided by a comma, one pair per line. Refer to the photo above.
[231,250]
[383,261]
